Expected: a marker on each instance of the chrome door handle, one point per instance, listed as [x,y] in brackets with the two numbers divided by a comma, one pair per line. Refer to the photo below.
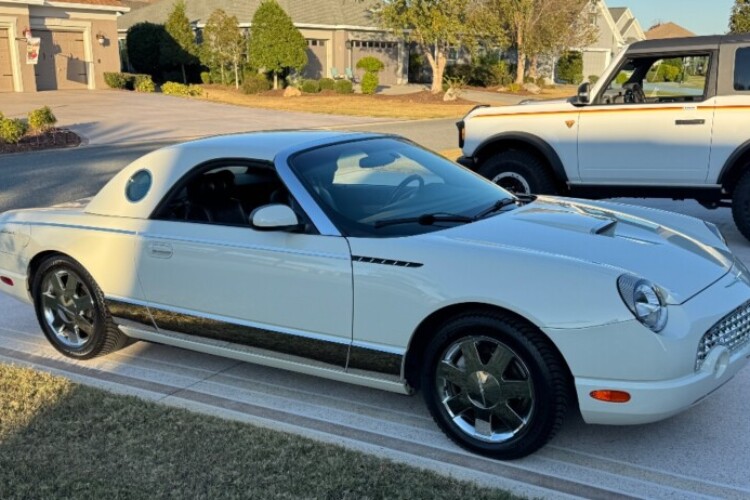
[690,122]
[160,250]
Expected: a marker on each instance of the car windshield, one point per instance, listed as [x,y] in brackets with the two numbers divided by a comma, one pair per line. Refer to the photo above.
[387,187]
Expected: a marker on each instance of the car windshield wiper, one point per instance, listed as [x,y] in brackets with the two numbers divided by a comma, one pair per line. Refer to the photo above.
[424,220]
[495,207]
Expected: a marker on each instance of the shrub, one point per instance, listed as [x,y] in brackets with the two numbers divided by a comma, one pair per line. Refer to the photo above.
[529,79]
[343,87]
[487,71]
[327,83]
[541,82]
[454,84]
[514,87]
[370,83]
[255,83]
[370,64]
[119,80]
[42,119]
[310,86]
[144,83]
[593,79]
[144,43]
[570,68]
[174,88]
[205,77]
[12,130]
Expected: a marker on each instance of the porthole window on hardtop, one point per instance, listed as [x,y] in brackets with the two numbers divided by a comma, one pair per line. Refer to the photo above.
[138,186]
[742,69]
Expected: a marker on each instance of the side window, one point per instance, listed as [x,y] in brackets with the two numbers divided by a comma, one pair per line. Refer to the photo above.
[649,80]
[742,69]
[225,195]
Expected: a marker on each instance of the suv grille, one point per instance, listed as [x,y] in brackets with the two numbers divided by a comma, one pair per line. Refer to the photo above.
[733,332]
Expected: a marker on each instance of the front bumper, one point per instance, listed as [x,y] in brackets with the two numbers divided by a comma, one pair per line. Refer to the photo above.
[657,370]
[467,162]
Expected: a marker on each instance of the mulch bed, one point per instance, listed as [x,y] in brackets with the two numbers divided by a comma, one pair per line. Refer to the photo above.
[52,139]
[425,97]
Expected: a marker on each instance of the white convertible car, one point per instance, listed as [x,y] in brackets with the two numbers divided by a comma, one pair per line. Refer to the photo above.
[366,259]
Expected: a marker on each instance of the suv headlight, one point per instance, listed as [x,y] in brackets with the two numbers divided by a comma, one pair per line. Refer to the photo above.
[645,300]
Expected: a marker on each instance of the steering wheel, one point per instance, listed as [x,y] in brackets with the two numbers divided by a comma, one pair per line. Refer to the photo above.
[400,190]
[634,94]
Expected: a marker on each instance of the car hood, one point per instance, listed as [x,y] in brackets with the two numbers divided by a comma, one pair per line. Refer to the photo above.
[676,252]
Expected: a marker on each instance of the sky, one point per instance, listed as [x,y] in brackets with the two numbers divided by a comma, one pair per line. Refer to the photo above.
[702,17]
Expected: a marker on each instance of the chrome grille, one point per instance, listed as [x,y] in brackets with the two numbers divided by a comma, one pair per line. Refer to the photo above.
[733,332]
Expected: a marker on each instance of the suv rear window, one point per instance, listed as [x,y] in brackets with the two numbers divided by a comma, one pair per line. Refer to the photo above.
[742,69]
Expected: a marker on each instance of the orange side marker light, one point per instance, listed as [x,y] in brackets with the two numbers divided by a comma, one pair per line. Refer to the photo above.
[611,396]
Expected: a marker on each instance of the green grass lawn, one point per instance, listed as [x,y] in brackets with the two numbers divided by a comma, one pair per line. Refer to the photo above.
[63,440]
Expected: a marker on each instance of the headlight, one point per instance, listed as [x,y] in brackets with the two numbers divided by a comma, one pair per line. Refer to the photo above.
[645,300]
[717,232]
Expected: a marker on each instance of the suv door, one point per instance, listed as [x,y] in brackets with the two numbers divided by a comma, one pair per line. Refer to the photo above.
[650,124]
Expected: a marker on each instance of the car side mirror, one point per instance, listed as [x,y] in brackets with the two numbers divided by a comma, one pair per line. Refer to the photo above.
[584,93]
[275,217]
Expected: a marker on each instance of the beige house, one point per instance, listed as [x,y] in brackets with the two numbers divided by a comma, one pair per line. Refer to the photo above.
[617,28]
[78,43]
[339,33]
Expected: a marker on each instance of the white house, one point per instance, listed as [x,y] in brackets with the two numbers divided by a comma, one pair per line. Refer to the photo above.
[617,28]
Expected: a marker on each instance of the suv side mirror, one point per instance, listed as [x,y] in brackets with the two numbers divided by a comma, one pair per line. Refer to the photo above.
[275,217]
[584,93]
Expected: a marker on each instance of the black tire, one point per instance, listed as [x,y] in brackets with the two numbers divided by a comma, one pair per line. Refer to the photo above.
[103,336]
[520,172]
[741,205]
[545,376]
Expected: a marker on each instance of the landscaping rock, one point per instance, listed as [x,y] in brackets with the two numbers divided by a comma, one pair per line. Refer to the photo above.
[292,92]
[532,88]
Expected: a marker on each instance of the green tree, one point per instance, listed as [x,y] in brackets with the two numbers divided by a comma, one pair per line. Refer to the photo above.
[144,42]
[223,45]
[275,43]
[539,27]
[179,47]
[739,21]
[434,25]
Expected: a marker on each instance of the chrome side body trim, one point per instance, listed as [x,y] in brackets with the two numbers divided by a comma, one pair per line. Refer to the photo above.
[251,356]
[334,352]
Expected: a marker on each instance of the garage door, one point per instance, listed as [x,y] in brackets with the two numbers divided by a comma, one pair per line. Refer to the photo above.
[387,52]
[317,60]
[62,64]
[6,66]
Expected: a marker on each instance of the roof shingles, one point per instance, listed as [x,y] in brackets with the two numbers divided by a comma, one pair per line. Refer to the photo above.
[320,12]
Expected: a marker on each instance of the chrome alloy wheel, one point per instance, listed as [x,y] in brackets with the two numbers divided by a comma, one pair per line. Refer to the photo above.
[485,388]
[68,308]
[513,182]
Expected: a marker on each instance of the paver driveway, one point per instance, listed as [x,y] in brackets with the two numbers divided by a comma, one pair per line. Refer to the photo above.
[120,117]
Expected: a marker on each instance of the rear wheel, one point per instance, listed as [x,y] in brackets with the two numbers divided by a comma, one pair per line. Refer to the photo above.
[494,385]
[741,205]
[519,172]
[71,310]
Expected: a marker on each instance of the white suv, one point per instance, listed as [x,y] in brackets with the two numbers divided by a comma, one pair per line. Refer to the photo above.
[669,119]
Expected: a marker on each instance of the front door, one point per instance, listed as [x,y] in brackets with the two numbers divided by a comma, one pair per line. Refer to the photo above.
[206,272]
[650,125]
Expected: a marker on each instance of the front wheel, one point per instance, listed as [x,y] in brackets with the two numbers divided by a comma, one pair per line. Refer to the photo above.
[71,310]
[494,385]
[518,172]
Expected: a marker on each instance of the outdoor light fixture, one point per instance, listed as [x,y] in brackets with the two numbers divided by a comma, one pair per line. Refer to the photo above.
[348,44]
[101,38]
[27,33]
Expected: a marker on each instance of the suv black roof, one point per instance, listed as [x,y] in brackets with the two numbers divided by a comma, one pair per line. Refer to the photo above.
[689,43]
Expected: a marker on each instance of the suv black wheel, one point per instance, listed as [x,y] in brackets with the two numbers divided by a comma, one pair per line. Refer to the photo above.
[741,205]
[71,310]
[518,172]
[494,385]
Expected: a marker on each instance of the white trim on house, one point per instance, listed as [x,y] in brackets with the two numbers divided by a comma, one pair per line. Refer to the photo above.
[83,6]
[9,23]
